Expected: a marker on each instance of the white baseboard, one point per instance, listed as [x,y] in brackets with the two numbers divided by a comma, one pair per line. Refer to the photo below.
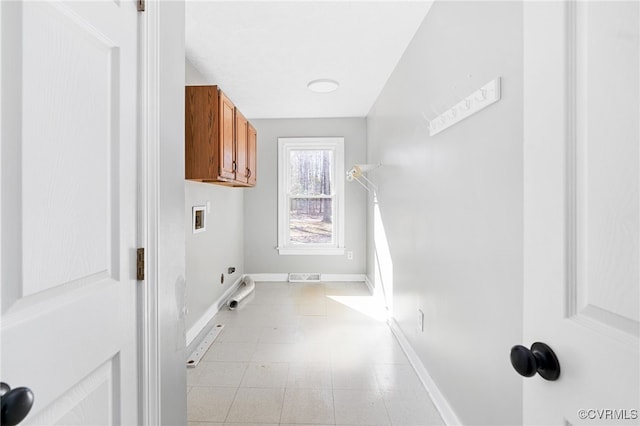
[369,284]
[270,277]
[343,277]
[277,277]
[193,332]
[448,415]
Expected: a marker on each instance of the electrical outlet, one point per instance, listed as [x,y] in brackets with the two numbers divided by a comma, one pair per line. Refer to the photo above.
[349,255]
[420,321]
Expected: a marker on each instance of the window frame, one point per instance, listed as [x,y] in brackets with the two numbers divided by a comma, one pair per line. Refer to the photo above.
[285,146]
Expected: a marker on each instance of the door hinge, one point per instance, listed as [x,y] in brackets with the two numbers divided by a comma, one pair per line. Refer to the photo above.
[140,5]
[140,264]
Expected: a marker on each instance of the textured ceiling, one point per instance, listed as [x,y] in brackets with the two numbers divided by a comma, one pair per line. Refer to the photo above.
[263,53]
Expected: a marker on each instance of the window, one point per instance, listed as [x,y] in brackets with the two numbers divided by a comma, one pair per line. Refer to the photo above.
[310,195]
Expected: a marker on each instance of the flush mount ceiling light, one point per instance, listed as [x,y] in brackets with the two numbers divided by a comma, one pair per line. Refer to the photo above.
[323,86]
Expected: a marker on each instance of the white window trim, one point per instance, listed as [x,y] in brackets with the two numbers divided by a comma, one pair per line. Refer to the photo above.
[285,145]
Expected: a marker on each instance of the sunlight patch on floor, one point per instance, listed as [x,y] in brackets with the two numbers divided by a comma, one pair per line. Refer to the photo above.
[371,306]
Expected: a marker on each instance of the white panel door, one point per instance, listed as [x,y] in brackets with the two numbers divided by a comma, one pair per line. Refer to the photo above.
[69,142]
[582,216]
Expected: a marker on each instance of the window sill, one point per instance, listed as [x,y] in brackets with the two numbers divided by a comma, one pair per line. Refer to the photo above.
[312,251]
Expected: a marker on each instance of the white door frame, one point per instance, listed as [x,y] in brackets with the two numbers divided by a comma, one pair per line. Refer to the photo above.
[161,308]
[148,209]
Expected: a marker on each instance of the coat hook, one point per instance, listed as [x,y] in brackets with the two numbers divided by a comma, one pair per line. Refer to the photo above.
[482,95]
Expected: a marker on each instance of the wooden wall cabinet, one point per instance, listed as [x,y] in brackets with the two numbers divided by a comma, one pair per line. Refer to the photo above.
[252,153]
[220,143]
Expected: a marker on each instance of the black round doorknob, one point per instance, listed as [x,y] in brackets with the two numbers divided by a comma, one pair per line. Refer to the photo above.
[539,359]
[15,404]
[4,388]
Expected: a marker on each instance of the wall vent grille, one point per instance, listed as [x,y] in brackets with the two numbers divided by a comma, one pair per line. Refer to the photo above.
[304,278]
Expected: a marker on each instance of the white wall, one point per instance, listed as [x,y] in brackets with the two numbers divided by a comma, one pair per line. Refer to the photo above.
[210,253]
[170,221]
[451,206]
[261,202]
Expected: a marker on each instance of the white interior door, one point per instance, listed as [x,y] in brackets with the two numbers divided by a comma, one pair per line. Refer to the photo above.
[582,215]
[69,107]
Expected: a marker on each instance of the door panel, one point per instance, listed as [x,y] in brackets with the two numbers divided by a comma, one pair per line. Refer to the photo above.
[79,64]
[606,157]
[582,210]
[84,404]
[69,143]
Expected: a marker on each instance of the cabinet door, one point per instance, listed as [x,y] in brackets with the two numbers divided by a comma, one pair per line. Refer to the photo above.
[226,139]
[252,154]
[242,171]
[201,132]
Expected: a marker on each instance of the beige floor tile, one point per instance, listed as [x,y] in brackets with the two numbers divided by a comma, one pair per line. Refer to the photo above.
[411,408]
[287,334]
[253,405]
[209,404]
[312,351]
[273,296]
[389,354]
[307,354]
[236,334]
[352,353]
[266,375]
[308,406]
[312,308]
[397,377]
[353,376]
[355,407]
[296,424]
[230,351]
[309,291]
[309,376]
[275,352]
[251,424]
[313,328]
[218,374]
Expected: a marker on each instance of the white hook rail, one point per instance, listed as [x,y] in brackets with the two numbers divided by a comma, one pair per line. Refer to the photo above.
[478,100]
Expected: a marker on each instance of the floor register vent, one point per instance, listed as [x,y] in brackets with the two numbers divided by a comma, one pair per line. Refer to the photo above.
[304,278]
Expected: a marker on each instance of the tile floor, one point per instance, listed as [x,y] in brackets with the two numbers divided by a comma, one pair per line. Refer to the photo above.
[312,353]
